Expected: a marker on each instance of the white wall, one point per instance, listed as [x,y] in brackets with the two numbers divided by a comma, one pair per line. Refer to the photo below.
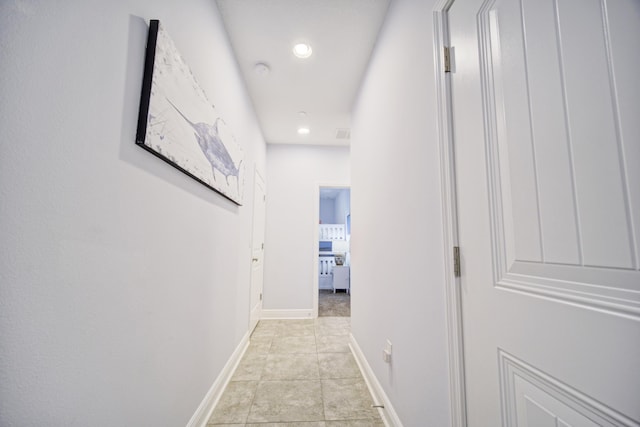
[395,204]
[342,206]
[327,210]
[293,176]
[124,284]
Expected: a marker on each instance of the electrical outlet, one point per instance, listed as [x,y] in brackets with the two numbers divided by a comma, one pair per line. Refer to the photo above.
[386,353]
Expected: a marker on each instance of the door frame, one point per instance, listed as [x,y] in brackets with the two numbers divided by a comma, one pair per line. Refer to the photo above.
[316,252]
[457,394]
[256,174]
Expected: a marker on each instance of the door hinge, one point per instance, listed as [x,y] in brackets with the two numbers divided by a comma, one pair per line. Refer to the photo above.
[456,261]
[447,60]
[260,296]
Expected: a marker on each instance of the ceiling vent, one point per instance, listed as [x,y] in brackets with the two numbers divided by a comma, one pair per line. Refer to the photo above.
[343,134]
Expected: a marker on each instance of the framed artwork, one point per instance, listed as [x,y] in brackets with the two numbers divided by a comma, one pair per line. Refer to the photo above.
[177,123]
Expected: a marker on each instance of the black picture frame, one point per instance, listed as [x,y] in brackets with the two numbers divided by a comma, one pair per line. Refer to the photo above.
[178,124]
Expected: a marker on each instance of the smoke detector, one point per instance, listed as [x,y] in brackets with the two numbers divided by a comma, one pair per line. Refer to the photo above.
[261,69]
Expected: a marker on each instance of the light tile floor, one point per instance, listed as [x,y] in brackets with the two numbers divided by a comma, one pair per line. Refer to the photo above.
[297,373]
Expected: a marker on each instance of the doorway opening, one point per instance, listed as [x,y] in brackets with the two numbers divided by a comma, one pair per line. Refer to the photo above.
[333,290]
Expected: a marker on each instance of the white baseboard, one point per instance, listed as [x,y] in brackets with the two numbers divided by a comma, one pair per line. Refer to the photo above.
[287,314]
[204,411]
[388,414]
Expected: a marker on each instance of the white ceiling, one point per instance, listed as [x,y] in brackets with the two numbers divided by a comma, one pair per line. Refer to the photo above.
[342,34]
[331,193]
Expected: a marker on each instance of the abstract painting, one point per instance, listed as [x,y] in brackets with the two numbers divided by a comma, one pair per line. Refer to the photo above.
[177,122]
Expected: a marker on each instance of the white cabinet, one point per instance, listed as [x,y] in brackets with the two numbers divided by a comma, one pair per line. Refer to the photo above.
[331,232]
[341,277]
[326,264]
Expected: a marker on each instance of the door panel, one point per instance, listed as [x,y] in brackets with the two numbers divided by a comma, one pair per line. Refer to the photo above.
[535,399]
[562,193]
[548,163]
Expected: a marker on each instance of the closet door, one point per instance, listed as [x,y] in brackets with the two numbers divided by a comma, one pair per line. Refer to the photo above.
[547,147]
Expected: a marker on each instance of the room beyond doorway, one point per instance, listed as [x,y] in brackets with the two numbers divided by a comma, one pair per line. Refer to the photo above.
[333,277]
[332,304]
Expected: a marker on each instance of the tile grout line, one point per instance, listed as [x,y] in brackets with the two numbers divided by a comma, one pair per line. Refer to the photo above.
[255,392]
[315,337]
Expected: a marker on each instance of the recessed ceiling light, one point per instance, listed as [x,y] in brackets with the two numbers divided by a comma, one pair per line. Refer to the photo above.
[302,114]
[302,50]
[303,131]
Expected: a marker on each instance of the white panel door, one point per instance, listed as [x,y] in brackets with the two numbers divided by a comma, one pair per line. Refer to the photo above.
[546,124]
[257,250]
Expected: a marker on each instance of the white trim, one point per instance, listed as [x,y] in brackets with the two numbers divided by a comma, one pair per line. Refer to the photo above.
[315,285]
[208,404]
[388,413]
[457,396]
[299,313]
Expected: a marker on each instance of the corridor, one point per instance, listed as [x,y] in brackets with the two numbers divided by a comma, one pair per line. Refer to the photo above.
[298,373]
